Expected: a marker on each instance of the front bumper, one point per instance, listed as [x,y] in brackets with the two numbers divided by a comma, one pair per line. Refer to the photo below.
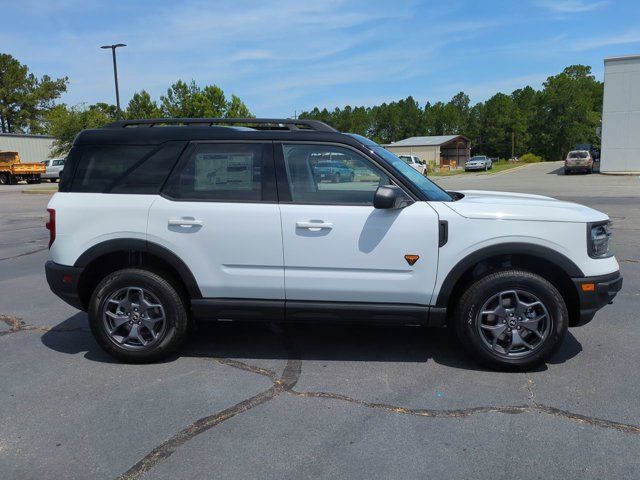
[63,280]
[594,293]
[475,167]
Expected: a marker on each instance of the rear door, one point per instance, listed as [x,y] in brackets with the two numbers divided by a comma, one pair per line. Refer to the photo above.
[337,246]
[218,212]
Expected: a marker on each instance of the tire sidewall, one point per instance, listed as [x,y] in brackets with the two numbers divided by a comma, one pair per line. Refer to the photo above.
[172,304]
[476,296]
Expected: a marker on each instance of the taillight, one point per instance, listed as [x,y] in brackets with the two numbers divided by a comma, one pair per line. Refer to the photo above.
[51,226]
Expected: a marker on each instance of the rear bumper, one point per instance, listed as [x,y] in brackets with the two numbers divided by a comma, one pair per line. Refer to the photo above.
[594,293]
[63,281]
[578,167]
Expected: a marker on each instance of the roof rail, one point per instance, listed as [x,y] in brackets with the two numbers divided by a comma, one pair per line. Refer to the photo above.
[257,123]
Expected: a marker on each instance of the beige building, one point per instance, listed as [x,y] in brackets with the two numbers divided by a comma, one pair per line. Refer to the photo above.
[31,148]
[442,149]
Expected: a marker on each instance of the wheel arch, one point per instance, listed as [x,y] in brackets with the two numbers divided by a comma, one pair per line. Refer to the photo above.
[111,255]
[548,263]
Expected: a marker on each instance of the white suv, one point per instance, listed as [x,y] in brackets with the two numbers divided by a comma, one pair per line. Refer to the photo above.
[155,227]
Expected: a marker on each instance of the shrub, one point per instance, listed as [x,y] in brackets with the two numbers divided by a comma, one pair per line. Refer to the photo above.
[530,158]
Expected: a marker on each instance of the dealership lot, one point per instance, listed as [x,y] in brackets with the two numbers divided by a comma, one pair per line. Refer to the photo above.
[247,401]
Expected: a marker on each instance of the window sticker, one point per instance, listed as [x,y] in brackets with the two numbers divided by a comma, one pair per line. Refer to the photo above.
[224,171]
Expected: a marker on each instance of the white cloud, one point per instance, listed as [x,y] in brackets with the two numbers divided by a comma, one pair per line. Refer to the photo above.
[626,38]
[571,6]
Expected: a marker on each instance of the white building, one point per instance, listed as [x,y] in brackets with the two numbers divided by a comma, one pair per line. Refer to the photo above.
[31,148]
[621,115]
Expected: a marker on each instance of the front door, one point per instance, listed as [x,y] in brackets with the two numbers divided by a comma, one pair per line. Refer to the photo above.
[337,246]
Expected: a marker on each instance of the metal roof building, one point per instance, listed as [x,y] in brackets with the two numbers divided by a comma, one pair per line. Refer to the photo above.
[31,148]
[621,115]
[442,149]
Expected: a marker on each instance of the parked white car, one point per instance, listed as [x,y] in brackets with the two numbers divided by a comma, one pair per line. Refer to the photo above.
[53,168]
[225,223]
[414,162]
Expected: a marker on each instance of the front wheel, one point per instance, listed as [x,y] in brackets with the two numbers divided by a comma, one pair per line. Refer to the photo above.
[511,320]
[5,179]
[137,316]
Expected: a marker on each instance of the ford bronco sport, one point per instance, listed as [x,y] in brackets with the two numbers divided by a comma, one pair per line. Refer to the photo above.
[161,222]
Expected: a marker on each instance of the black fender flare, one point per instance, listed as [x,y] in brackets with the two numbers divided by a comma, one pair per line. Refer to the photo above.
[139,245]
[514,248]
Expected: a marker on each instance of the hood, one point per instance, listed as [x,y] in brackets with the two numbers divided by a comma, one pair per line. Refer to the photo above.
[522,206]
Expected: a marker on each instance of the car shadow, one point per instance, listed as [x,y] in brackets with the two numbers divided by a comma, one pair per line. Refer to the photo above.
[331,342]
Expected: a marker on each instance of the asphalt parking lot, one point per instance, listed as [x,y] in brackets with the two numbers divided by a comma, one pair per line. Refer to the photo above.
[261,401]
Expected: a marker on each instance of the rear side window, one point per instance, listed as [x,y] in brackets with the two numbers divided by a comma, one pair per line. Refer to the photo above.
[240,172]
[98,166]
[131,169]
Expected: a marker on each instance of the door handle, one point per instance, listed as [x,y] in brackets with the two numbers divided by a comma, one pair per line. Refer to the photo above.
[185,222]
[315,225]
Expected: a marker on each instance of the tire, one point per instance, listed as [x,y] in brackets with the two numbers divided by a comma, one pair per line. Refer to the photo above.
[567,171]
[162,336]
[5,179]
[489,338]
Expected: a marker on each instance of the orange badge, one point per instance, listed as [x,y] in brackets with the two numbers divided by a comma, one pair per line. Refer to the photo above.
[411,259]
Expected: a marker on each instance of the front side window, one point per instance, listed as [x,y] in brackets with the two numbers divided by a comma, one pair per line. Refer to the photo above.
[220,172]
[327,174]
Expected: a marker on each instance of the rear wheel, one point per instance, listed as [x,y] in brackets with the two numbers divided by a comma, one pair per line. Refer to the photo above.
[511,320]
[5,179]
[137,316]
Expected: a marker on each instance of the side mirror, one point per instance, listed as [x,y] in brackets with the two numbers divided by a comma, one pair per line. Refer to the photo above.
[390,196]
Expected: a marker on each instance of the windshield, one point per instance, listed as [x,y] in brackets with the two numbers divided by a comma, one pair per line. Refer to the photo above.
[405,159]
[477,159]
[426,186]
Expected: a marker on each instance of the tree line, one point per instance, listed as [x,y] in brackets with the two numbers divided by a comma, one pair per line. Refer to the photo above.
[27,105]
[547,122]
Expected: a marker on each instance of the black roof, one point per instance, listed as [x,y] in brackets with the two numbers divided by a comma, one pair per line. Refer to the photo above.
[160,130]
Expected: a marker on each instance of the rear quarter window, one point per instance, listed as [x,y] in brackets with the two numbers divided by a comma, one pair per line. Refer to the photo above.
[131,169]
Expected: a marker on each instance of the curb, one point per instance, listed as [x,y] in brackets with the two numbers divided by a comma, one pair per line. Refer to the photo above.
[39,191]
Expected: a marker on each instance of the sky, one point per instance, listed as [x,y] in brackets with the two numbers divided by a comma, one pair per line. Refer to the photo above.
[284,56]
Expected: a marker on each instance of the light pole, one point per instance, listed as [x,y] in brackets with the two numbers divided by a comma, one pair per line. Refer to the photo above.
[115,71]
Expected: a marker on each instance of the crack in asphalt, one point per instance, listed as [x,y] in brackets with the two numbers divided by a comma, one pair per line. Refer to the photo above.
[281,384]
[286,382]
[16,325]
[23,254]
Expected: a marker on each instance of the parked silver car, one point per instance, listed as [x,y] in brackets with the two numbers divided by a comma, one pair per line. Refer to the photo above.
[479,162]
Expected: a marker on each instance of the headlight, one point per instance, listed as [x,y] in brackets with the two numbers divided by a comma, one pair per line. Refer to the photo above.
[598,239]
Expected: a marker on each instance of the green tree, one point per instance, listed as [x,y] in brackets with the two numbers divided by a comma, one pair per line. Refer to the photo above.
[142,106]
[64,123]
[571,106]
[190,101]
[24,98]
[236,108]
